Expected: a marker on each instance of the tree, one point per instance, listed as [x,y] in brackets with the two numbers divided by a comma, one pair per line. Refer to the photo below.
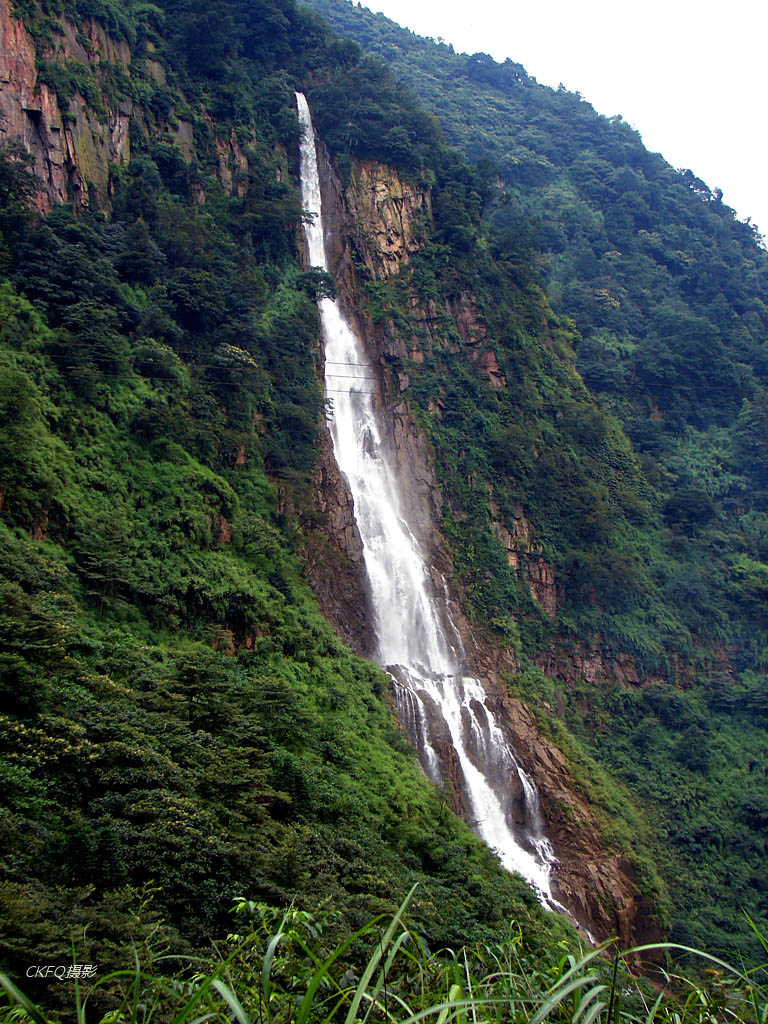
[689,508]
[104,561]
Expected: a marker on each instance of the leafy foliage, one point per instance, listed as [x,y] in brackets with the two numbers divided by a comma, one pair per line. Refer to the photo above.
[286,967]
[176,712]
[643,487]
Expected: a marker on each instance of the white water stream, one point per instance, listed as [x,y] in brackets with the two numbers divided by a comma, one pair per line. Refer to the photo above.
[440,706]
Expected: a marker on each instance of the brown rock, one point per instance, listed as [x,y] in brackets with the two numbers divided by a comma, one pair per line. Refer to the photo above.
[383,208]
[597,884]
[333,556]
[224,528]
[72,152]
[524,554]
[491,366]
[370,231]
[468,319]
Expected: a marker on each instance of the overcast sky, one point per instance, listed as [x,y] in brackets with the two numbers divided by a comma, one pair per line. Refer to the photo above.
[689,76]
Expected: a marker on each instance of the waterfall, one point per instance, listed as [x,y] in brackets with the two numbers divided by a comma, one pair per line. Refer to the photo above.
[443,709]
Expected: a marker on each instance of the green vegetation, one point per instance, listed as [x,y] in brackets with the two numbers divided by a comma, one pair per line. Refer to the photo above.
[291,971]
[668,293]
[644,481]
[176,711]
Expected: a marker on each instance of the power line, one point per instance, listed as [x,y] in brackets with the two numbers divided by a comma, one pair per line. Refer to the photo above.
[196,364]
[172,380]
[348,376]
[634,389]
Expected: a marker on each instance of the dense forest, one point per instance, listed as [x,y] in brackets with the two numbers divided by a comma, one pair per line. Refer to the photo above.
[180,725]
[178,719]
[651,505]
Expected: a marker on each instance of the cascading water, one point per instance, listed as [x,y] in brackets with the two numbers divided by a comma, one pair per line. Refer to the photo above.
[439,705]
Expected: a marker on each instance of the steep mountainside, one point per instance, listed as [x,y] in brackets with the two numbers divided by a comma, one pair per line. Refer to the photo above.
[376,228]
[178,718]
[649,563]
[177,711]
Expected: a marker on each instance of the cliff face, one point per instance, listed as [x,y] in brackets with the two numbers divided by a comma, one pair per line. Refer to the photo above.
[370,234]
[524,555]
[370,229]
[371,224]
[72,148]
[334,556]
[383,209]
[74,139]
[599,885]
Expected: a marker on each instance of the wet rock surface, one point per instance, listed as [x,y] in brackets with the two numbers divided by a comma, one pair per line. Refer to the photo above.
[371,234]
[73,148]
[597,884]
[333,556]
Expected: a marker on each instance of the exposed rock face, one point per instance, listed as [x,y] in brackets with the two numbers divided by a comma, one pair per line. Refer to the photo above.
[488,362]
[598,885]
[373,224]
[473,332]
[524,555]
[334,556]
[384,209]
[374,208]
[71,149]
[231,161]
[469,321]
[591,665]
[349,249]
[371,236]
[447,772]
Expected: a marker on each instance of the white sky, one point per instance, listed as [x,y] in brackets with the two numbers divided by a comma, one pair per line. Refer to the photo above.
[689,76]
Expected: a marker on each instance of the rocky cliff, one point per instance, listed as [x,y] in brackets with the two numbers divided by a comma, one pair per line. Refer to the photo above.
[374,219]
[333,555]
[74,97]
[72,143]
[598,884]
[370,233]
[372,224]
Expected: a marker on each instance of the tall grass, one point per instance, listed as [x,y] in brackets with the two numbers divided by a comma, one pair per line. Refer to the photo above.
[279,973]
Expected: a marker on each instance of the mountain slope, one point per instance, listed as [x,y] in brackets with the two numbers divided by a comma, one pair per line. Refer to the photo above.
[176,709]
[653,557]
[177,715]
